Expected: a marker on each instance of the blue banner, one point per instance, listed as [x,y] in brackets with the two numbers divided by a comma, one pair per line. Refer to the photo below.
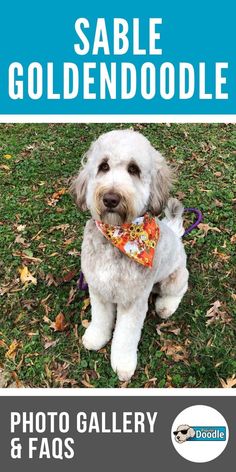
[209,433]
[151,58]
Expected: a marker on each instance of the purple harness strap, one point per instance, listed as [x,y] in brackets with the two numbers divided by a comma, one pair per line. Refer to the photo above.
[83,286]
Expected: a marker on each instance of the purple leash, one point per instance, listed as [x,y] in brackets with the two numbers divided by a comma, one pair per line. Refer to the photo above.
[83,286]
[198,220]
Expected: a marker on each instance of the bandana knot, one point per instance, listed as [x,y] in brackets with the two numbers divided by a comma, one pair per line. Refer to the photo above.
[137,240]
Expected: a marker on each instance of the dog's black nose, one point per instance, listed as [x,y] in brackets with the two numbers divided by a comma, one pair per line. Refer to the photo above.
[111,200]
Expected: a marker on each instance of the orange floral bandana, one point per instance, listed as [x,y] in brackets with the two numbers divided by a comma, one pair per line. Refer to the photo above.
[137,240]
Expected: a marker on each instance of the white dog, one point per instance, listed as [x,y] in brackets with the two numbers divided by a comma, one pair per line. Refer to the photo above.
[183,433]
[123,177]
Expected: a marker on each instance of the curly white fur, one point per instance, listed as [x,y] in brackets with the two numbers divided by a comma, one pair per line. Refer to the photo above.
[119,287]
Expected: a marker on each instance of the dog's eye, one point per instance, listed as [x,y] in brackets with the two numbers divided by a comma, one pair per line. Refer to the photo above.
[103,167]
[133,169]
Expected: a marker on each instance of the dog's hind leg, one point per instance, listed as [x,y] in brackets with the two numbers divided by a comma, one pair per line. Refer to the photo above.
[171,292]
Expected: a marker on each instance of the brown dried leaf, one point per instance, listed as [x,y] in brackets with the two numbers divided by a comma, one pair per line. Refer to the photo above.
[72,295]
[69,276]
[62,228]
[50,343]
[85,323]
[69,241]
[54,199]
[174,350]
[214,314]
[50,280]
[229,383]
[221,255]
[205,227]
[3,344]
[60,323]
[87,384]
[233,239]
[218,203]
[168,327]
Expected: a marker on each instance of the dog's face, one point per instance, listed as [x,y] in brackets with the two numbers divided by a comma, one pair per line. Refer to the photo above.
[124,176]
[183,433]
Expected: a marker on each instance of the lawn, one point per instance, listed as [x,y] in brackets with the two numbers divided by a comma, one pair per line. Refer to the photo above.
[43,315]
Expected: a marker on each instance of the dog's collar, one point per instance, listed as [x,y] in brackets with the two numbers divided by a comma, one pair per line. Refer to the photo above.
[137,240]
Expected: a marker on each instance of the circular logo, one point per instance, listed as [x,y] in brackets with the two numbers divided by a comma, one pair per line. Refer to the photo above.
[200,433]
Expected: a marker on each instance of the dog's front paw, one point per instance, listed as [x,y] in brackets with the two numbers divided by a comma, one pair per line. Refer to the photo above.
[124,364]
[95,338]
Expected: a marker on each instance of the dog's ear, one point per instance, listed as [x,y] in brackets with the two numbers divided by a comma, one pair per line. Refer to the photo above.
[161,182]
[191,432]
[78,188]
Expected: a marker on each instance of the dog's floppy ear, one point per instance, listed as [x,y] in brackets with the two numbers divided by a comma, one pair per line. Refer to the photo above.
[78,188]
[191,432]
[161,182]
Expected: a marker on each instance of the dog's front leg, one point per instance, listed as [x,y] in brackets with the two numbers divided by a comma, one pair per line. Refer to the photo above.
[126,337]
[100,329]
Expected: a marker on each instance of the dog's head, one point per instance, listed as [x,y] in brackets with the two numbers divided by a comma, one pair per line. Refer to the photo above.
[183,433]
[122,177]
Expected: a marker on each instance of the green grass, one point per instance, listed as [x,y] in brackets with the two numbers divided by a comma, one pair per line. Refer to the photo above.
[44,157]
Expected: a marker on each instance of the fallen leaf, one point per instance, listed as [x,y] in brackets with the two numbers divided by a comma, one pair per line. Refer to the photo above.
[26,276]
[4,167]
[150,383]
[4,378]
[228,383]
[62,228]
[60,323]
[218,203]
[214,314]
[69,275]
[24,256]
[174,350]
[59,375]
[67,242]
[85,323]
[233,239]
[20,228]
[87,384]
[50,280]
[12,351]
[72,295]
[125,384]
[3,344]
[7,156]
[20,240]
[205,227]
[181,195]
[221,255]
[54,199]
[86,303]
[168,326]
[50,343]
[74,253]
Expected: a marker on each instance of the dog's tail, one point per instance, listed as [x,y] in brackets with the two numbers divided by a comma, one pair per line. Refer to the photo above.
[174,216]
